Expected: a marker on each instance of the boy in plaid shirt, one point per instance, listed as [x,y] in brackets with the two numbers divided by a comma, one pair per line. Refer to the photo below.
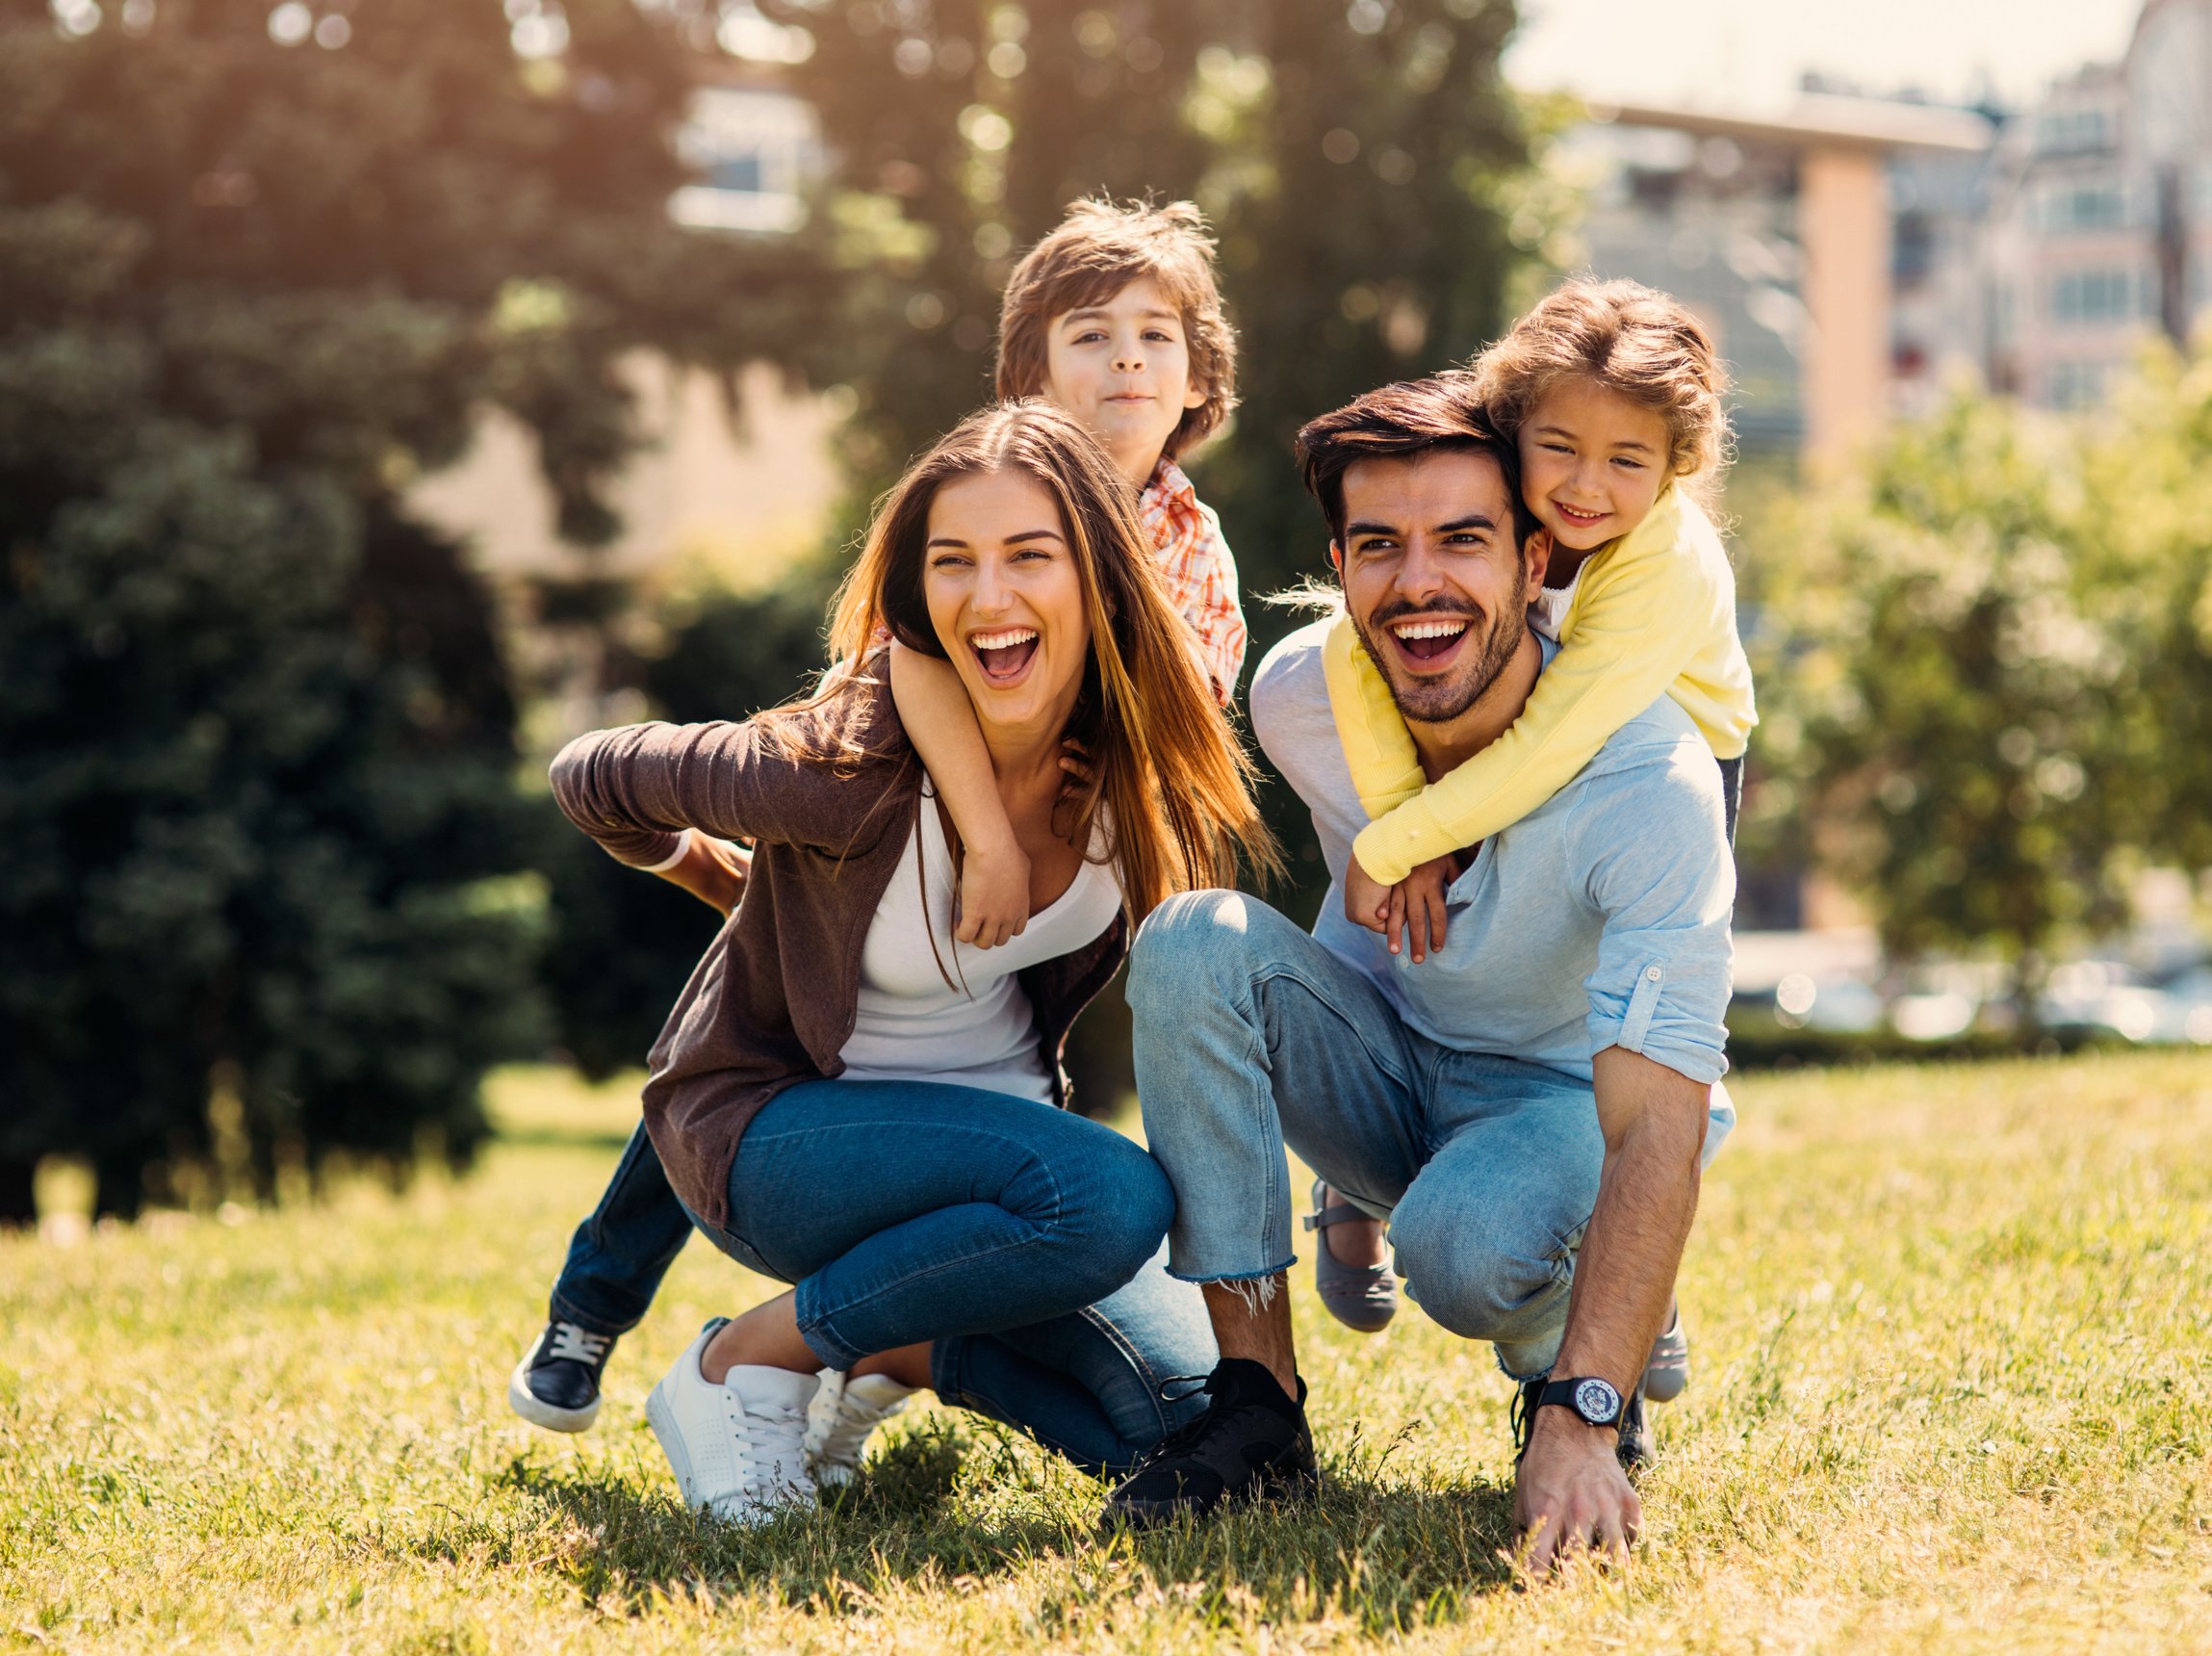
[1116,317]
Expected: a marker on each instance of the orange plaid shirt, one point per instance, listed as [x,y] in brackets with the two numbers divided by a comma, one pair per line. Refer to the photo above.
[1201,574]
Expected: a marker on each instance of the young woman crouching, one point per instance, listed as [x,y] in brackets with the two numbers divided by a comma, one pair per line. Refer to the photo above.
[847,1099]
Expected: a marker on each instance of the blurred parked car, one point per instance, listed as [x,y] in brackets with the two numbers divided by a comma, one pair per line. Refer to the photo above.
[2101,998]
[2185,1006]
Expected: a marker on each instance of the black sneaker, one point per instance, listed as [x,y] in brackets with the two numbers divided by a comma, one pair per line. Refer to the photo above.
[1633,1450]
[556,1383]
[1251,1443]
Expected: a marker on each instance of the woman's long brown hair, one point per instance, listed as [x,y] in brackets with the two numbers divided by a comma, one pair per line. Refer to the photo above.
[1173,780]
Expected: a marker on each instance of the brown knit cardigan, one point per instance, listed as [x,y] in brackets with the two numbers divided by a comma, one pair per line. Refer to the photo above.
[830,807]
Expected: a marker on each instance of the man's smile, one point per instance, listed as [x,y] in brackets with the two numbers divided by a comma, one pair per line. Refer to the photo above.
[1428,642]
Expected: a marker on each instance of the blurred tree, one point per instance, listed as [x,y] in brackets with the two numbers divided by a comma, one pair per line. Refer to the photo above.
[1945,698]
[1369,146]
[1361,160]
[2146,579]
[259,266]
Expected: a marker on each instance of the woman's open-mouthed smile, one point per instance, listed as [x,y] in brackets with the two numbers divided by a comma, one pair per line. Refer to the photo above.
[1006,597]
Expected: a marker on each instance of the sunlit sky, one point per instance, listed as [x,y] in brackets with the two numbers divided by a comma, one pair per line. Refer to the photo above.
[1748,54]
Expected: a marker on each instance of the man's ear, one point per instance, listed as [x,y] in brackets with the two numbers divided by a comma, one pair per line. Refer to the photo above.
[1539,552]
[1336,560]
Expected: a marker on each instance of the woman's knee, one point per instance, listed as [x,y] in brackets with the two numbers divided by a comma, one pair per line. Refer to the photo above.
[1131,1213]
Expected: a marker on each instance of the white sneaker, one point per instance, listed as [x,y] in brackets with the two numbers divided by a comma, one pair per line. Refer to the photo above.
[736,1448]
[839,1419]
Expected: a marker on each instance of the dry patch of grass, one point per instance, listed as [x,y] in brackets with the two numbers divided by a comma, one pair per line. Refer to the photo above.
[1951,1327]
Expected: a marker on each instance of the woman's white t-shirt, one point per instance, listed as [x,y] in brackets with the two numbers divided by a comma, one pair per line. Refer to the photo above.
[978,1030]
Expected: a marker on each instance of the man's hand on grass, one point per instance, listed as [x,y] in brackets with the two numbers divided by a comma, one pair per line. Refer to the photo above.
[1572,1496]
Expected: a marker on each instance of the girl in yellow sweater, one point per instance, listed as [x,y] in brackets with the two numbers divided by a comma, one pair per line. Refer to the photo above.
[1611,394]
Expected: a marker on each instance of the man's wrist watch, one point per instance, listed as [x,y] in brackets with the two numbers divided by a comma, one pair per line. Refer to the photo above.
[1594,1401]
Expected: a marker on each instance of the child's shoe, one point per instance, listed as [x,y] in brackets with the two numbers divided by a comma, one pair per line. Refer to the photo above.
[1666,1375]
[1362,1297]
[556,1383]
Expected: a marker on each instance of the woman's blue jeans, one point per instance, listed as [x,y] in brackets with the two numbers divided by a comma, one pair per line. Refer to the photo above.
[1022,1242]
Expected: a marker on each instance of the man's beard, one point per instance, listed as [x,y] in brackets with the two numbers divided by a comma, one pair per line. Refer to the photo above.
[1440,701]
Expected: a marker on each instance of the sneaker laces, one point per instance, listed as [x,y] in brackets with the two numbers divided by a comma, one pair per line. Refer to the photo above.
[576,1344]
[1521,1416]
[855,1418]
[1190,1431]
[767,1434]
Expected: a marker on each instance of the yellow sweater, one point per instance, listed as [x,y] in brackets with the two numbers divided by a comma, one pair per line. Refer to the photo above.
[1655,613]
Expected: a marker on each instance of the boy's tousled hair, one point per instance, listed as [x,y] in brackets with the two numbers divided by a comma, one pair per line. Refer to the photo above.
[1098,250]
[1167,774]
[1440,414]
[1631,339]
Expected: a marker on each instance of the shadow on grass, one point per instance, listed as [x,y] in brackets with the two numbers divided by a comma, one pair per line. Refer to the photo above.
[953,1506]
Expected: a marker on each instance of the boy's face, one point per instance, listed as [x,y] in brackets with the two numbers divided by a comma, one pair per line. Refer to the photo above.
[1123,369]
[1592,462]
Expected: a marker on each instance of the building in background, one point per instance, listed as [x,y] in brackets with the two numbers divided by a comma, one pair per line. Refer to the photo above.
[1855,253]
[736,478]
[2099,222]
[1822,246]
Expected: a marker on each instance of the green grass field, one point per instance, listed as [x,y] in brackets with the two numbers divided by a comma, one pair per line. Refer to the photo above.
[1951,1330]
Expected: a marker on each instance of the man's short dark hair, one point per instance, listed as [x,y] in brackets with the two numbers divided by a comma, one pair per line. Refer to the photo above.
[1396,421]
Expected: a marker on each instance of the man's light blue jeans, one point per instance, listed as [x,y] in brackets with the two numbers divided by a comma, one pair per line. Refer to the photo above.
[1250,1035]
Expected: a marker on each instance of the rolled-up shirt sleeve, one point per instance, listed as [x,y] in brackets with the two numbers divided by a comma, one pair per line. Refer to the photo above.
[1663,878]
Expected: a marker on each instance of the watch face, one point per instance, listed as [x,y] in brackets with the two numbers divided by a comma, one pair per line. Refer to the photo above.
[1597,1402]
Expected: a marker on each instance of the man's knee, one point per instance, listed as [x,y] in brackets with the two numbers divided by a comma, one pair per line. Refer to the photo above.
[1487,1276]
[1190,943]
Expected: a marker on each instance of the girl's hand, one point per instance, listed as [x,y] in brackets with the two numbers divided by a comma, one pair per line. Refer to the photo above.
[1075,762]
[1366,900]
[993,896]
[1418,900]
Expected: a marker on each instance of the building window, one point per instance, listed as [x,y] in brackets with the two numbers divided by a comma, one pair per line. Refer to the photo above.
[2071,132]
[2094,295]
[2070,209]
[2076,384]
[753,148]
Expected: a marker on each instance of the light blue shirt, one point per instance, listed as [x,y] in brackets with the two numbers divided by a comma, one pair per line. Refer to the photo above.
[1599,919]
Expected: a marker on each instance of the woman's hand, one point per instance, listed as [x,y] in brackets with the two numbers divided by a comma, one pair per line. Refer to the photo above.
[712,870]
[993,894]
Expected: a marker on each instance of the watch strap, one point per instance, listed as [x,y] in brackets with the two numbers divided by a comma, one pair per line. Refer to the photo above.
[1561,1393]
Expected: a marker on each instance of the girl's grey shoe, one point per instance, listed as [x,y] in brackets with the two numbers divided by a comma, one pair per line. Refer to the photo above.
[1362,1297]
[1666,1375]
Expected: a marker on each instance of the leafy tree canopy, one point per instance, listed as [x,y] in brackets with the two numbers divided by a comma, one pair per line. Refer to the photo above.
[258,269]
